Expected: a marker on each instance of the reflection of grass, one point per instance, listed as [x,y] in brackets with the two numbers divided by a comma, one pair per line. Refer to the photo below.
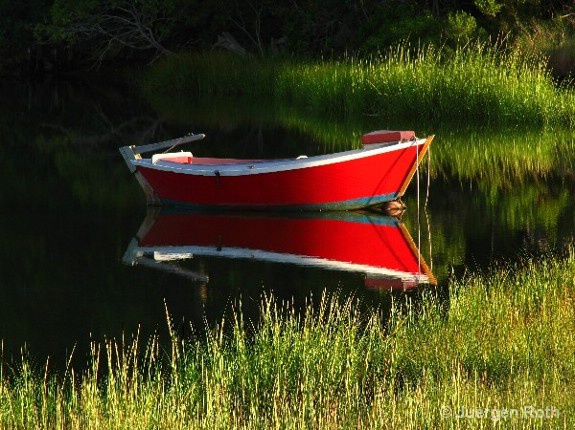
[475,84]
[502,158]
[503,341]
[535,205]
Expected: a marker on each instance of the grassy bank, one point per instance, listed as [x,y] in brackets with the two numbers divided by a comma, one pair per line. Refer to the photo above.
[475,83]
[502,342]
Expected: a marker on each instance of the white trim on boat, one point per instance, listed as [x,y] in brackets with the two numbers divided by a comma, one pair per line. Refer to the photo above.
[251,168]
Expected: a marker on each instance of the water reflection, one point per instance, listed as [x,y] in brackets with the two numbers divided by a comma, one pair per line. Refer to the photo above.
[375,245]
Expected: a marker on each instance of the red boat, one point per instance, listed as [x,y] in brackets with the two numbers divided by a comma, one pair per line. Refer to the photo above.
[377,173]
[378,246]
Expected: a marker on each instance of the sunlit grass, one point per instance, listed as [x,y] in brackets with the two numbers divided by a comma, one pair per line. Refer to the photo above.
[502,340]
[474,83]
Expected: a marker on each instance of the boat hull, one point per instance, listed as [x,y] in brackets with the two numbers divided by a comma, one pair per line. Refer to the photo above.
[348,180]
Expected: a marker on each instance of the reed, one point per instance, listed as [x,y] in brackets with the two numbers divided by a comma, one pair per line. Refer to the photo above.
[474,83]
[501,341]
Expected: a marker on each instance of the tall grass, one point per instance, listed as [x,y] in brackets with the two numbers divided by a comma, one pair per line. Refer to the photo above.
[474,83]
[502,341]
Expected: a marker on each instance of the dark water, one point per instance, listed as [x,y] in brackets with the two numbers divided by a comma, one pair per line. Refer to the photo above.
[70,210]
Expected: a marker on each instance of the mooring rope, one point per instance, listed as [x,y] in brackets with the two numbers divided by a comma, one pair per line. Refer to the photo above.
[425,207]
[418,209]
[428,176]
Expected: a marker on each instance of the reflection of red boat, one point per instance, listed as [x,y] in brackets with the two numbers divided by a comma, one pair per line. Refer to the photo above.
[378,246]
[377,173]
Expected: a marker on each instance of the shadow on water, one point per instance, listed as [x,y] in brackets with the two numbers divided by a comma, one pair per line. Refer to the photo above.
[71,209]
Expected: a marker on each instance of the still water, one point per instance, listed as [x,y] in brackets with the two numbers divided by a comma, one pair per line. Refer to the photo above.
[83,259]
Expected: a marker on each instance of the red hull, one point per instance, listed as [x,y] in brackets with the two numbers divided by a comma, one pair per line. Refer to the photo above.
[367,177]
[376,245]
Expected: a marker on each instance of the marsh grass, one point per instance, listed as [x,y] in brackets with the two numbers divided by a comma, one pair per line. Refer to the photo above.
[474,83]
[503,340]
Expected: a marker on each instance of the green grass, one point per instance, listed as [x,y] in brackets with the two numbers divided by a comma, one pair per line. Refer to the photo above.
[476,83]
[502,340]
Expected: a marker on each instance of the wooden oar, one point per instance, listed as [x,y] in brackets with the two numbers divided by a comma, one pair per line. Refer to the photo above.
[133,152]
[168,143]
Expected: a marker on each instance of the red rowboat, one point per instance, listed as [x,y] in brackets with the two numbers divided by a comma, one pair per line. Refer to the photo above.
[379,172]
[378,246]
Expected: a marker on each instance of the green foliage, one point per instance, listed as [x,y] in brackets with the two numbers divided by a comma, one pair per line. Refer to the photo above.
[488,7]
[395,21]
[462,28]
[114,29]
[323,26]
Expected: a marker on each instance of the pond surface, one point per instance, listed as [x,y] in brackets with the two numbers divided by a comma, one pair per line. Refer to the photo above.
[82,257]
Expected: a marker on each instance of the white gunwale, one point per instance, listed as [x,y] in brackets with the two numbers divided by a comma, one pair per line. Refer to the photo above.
[250,167]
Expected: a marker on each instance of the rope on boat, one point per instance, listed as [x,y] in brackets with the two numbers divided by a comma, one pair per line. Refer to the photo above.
[418,211]
[428,176]
[427,193]
[425,207]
